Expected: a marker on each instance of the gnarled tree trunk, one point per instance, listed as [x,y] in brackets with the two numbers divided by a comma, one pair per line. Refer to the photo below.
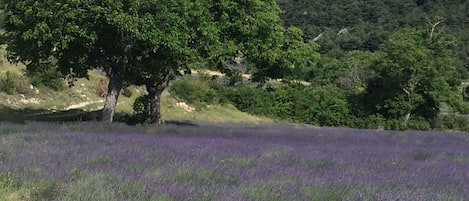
[114,87]
[154,93]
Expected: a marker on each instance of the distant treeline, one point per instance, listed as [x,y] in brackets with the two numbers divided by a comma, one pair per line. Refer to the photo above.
[344,25]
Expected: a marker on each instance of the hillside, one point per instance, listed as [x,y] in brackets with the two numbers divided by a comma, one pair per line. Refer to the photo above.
[81,102]
[365,24]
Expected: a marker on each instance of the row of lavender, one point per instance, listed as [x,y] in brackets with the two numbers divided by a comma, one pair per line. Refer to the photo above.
[237,162]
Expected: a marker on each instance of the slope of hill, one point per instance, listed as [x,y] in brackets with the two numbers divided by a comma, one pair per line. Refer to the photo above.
[81,102]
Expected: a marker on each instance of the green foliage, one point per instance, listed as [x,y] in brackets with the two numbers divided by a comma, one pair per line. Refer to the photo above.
[290,59]
[262,191]
[46,76]
[465,93]
[45,190]
[141,107]
[324,106]
[330,192]
[9,82]
[92,188]
[339,26]
[14,188]
[12,83]
[254,100]
[188,175]
[374,121]
[413,76]
[150,42]
[452,122]
[194,91]
[9,181]
[235,77]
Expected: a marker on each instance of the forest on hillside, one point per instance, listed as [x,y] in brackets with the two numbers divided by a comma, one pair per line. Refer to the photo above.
[344,25]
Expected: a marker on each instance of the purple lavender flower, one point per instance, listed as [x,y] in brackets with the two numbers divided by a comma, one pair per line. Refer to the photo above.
[238,162]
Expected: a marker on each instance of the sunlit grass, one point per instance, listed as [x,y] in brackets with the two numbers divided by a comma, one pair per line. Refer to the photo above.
[215,113]
[82,96]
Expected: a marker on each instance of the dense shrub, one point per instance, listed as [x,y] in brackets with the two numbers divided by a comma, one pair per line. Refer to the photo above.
[294,102]
[324,106]
[419,124]
[377,121]
[9,82]
[194,91]
[465,93]
[254,100]
[141,107]
[12,83]
[451,122]
[47,76]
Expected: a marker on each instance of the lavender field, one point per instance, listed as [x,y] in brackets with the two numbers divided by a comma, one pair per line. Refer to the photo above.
[203,161]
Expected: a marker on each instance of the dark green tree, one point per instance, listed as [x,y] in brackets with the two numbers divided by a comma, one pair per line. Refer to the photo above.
[414,76]
[150,42]
[75,36]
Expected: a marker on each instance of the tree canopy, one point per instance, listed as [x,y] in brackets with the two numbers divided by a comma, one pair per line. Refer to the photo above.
[344,25]
[149,42]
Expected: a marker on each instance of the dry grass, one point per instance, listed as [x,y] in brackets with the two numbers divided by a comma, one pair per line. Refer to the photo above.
[82,96]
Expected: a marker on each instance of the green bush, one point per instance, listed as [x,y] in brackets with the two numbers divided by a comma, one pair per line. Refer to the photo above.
[9,82]
[375,121]
[323,106]
[451,122]
[194,91]
[419,124]
[12,83]
[254,100]
[465,93]
[141,108]
[47,76]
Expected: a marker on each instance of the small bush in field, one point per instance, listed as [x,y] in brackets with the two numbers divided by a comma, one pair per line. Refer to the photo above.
[46,76]
[12,83]
[194,91]
[9,82]
[141,107]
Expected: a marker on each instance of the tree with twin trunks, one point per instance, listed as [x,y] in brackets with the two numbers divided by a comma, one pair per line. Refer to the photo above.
[150,42]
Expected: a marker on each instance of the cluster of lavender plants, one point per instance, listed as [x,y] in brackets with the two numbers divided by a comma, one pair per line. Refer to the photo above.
[237,162]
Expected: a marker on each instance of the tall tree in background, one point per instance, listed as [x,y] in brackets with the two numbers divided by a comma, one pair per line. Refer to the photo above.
[414,76]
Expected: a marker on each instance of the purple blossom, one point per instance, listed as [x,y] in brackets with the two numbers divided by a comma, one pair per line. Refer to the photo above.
[243,162]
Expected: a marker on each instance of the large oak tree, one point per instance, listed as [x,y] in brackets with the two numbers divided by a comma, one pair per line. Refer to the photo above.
[149,42]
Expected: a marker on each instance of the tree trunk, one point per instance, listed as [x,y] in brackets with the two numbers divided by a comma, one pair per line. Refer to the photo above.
[407,116]
[409,99]
[114,88]
[155,111]
[154,92]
